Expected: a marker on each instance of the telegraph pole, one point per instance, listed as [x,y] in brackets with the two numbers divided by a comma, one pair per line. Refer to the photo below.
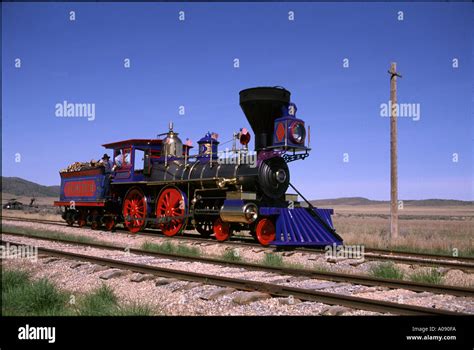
[393,152]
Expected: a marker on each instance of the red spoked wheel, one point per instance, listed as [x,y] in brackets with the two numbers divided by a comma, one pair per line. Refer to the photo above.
[171,207]
[109,223]
[221,230]
[265,231]
[134,210]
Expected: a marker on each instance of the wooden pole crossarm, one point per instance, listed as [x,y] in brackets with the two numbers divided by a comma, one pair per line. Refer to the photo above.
[394,74]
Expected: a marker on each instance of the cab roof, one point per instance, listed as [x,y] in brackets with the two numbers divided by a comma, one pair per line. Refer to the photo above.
[133,142]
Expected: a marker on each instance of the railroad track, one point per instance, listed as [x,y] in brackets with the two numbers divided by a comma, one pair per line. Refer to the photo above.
[311,274]
[148,232]
[274,290]
[465,263]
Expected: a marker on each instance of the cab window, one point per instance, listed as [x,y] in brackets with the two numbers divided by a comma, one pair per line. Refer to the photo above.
[139,159]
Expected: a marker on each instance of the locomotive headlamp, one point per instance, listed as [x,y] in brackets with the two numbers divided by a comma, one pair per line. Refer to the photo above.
[297,132]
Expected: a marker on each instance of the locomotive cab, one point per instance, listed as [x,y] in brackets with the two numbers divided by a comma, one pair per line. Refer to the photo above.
[132,158]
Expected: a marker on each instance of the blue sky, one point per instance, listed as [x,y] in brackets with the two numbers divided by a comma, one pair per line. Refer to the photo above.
[190,63]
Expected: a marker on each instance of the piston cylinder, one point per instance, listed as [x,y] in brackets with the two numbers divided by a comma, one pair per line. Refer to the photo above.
[239,211]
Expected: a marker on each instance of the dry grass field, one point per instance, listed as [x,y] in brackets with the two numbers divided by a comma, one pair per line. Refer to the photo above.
[44,210]
[42,201]
[438,229]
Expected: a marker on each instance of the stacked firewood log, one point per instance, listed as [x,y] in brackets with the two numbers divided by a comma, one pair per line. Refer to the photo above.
[79,166]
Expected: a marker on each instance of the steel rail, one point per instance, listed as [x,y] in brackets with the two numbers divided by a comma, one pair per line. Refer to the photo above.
[243,284]
[310,274]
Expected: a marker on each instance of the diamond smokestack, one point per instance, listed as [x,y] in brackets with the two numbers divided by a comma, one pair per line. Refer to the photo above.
[261,106]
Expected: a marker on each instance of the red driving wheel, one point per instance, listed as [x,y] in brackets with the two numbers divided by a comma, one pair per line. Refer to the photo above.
[171,208]
[221,230]
[134,210]
[265,231]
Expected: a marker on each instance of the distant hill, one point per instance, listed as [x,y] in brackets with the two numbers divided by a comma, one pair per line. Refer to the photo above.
[436,202]
[365,201]
[346,201]
[20,187]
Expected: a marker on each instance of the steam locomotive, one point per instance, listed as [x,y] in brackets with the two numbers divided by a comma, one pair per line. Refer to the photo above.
[160,184]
